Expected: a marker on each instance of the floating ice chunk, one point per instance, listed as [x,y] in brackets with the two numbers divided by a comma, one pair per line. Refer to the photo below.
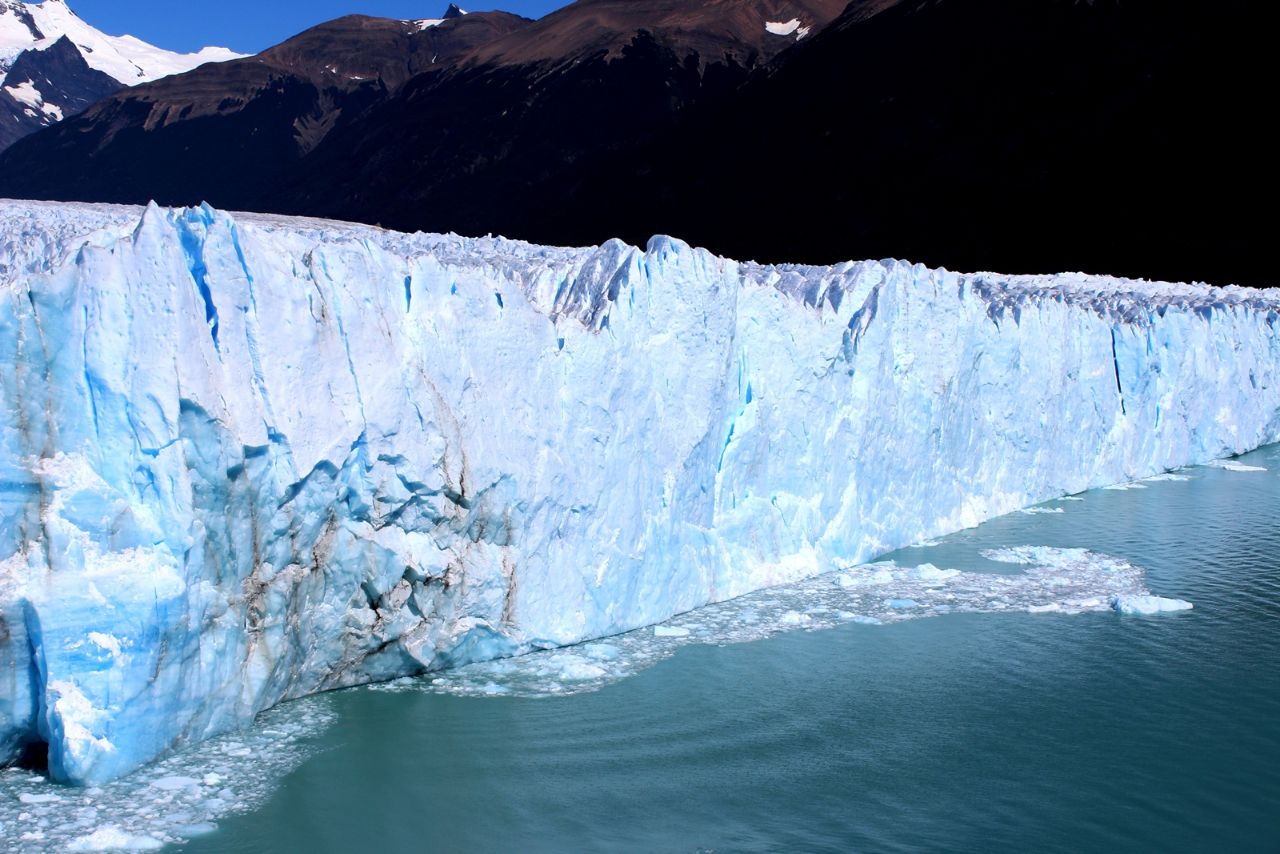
[1035,511]
[138,815]
[1232,465]
[576,669]
[870,575]
[1122,487]
[170,784]
[1144,605]
[929,572]
[111,838]
[901,604]
[670,632]
[1167,477]
[602,651]
[1051,608]
[792,619]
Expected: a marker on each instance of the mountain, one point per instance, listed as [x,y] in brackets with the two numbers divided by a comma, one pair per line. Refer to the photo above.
[44,86]
[225,130]
[462,105]
[1125,137]
[249,458]
[43,82]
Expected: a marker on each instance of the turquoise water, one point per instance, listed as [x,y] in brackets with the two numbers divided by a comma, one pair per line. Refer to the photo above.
[965,732]
[973,732]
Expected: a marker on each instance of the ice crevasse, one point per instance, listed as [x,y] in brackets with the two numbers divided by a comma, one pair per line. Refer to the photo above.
[247,458]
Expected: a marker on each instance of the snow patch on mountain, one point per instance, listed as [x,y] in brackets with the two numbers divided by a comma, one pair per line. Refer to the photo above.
[427,23]
[787,28]
[26,93]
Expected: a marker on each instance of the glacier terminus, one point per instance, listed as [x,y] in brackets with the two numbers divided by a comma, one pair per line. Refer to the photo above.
[246,458]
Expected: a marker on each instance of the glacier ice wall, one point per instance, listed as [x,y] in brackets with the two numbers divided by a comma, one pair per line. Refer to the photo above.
[244,459]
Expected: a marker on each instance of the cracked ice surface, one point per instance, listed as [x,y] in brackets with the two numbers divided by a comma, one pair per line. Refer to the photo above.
[247,458]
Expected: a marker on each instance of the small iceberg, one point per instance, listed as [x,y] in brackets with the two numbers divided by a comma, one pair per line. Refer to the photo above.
[1145,605]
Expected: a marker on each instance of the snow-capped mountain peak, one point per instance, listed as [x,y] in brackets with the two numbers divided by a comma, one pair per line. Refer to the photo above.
[54,65]
[31,26]
[454,11]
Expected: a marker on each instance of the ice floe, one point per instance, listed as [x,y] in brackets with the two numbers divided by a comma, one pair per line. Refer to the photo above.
[1049,581]
[178,798]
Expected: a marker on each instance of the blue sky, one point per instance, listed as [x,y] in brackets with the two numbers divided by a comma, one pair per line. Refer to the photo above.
[251,25]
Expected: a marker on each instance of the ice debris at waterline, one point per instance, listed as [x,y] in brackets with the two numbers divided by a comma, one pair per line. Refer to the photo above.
[1049,581]
[187,793]
[180,797]
[1233,465]
[244,459]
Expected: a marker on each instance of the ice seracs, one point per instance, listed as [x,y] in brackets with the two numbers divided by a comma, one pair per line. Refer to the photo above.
[247,458]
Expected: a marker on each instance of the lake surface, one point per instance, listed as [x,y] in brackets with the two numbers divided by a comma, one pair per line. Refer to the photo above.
[966,731]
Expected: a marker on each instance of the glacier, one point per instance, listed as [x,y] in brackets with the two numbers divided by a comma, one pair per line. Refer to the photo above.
[246,458]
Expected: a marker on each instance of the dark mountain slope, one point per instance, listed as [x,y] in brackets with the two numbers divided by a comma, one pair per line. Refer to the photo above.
[714,30]
[1128,138]
[65,85]
[461,148]
[225,132]
[479,104]
[1038,135]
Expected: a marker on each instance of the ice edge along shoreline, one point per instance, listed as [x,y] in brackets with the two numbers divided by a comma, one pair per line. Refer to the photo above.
[259,457]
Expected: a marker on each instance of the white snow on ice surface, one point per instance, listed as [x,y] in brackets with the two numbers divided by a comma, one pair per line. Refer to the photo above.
[177,798]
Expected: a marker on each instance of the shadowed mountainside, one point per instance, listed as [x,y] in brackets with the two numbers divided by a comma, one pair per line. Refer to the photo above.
[1124,138]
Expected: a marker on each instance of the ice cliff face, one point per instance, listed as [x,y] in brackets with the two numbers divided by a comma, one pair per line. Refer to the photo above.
[245,459]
